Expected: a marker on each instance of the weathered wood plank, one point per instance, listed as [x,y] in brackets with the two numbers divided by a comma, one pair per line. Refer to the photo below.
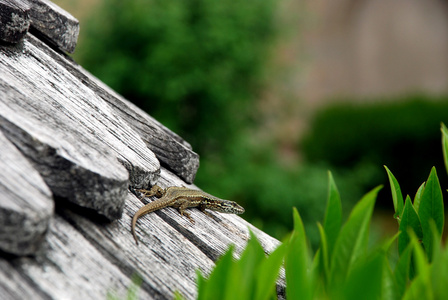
[14,285]
[173,152]
[26,204]
[55,24]
[74,139]
[14,20]
[84,258]
[166,263]
[71,268]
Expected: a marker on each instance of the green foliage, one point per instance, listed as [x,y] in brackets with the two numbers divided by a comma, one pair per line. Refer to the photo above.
[230,277]
[299,276]
[409,220]
[352,240]
[431,209]
[255,179]
[196,66]
[333,214]
[379,133]
[397,197]
[351,268]
[417,218]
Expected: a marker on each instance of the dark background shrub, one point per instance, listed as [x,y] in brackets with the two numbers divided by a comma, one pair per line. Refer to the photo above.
[403,134]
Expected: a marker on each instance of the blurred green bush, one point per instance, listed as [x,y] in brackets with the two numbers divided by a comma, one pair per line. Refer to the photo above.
[254,178]
[195,65]
[398,133]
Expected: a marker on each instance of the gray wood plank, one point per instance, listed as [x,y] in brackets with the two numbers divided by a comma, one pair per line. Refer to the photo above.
[84,151]
[71,268]
[166,263]
[26,203]
[172,151]
[14,20]
[54,24]
[14,285]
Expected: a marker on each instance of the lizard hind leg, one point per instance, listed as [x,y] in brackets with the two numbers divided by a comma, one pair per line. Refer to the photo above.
[202,208]
[184,213]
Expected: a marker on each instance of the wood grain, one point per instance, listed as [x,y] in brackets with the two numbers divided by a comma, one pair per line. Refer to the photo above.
[26,204]
[173,152]
[84,151]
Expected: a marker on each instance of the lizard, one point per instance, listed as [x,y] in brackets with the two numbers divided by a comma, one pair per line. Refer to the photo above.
[182,198]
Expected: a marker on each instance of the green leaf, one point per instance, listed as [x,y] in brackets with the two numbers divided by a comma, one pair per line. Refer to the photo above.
[216,286]
[268,273]
[397,196]
[439,270]
[333,214]
[298,279]
[201,283]
[352,239]
[177,296]
[431,207]
[418,197]
[388,284]
[244,283]
[323,252]
[409,220]
[365,279]
[420,287]
[132,293]
[445,145]
[385,246]
[402,270]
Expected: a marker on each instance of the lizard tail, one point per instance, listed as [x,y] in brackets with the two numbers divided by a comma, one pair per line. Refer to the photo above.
[134,220]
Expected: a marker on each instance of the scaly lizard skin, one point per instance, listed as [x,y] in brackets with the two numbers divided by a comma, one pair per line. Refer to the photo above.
[182,198]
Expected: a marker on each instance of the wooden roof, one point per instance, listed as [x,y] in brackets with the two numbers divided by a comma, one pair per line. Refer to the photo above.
[71,150]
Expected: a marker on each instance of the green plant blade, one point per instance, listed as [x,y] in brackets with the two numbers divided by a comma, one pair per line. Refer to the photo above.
[352,239]
[323,266]
[216,286]
[333,214]
[402,270]
[244,282]
[409,220]
[298,281]
[397,196]
[420,287]
[202,283]
[365,279]
[418,197]
[445,144]
[268,273]
[431,207]
[439,270]
[388,284]
[177,296]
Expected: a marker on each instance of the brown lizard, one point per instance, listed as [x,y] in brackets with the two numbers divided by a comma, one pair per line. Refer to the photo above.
[182,198]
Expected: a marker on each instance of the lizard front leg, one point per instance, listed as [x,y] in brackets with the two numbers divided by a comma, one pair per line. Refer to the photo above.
[154,191]
[184,204]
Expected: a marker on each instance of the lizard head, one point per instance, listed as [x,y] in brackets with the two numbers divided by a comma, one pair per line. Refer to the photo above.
[229,207]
